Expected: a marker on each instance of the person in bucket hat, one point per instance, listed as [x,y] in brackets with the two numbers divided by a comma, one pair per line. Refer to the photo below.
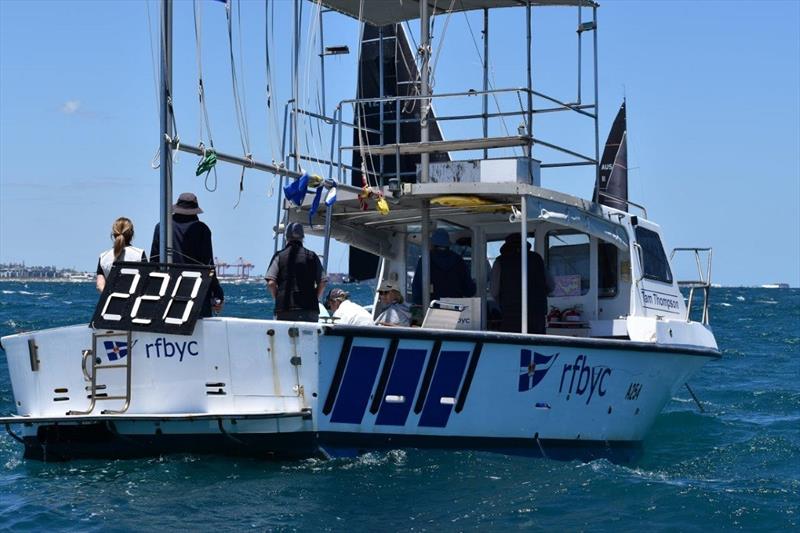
[191,245]
[393,312]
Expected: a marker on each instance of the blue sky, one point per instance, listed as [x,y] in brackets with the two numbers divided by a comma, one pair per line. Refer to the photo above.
[713,91]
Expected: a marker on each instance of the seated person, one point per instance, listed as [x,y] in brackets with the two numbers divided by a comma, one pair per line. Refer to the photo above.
[450,277]
[393,312]
[346,311]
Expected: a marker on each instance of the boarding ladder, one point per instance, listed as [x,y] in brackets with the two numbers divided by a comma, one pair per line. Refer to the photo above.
[92,363]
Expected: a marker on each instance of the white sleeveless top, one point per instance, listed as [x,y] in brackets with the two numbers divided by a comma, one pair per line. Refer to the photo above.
[131,253]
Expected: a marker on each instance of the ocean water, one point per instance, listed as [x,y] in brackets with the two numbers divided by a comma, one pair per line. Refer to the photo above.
[735,466]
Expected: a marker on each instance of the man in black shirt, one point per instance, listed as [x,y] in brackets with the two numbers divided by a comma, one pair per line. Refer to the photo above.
[295,279]
[449,274]
[505,286]
[191,244]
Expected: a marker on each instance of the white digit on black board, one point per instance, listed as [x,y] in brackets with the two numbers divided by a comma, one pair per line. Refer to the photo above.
[150,297]
[198,280]
[122,295]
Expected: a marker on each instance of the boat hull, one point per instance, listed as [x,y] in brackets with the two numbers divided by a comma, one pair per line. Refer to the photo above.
[280,389]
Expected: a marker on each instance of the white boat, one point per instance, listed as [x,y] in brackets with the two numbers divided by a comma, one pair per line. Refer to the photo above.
[150,378]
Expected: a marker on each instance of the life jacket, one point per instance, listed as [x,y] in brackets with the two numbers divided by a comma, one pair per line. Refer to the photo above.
[298,272]
[107,259]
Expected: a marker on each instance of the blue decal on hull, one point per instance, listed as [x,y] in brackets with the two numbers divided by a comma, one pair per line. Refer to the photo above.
[115,349]
[359,378]
[403,381]
[533,369]
[446,380]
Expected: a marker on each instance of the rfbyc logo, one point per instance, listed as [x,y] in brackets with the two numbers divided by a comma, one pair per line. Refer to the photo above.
[162,348]
[590,378]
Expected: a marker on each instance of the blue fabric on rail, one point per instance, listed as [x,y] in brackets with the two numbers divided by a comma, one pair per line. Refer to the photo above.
[296,191]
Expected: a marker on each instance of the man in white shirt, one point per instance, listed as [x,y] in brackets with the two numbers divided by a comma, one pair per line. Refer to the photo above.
[345,311]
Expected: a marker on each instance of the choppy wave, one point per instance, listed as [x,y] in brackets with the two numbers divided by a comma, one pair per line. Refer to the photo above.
[733,466]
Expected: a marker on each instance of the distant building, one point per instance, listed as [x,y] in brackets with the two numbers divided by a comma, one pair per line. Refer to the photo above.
[22,271]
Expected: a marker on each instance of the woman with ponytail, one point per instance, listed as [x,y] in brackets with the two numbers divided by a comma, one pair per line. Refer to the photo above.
[122,235]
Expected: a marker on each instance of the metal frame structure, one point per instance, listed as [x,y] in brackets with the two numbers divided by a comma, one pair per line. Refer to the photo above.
[424,148]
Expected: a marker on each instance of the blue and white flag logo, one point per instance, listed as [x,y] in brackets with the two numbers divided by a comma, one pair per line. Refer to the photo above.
[116,349]
[533,367]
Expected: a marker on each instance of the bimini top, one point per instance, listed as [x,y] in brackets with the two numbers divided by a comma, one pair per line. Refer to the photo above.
[492,206]
[383,12]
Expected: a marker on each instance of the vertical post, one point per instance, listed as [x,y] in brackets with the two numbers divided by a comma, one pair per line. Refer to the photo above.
[524,262]
[165,215]
[329,208]
[381,94]
[596,111]
[397,138]
[426,255]
[295,87]
[530,79]
[424,90]
[485,78]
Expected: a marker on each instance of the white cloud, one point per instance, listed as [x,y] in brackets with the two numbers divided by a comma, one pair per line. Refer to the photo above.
[70,107]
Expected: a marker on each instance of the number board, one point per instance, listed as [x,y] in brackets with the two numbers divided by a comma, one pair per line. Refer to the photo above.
[153,297]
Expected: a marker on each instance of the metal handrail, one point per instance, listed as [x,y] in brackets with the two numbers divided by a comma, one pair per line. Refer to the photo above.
[630,202]
[704,283]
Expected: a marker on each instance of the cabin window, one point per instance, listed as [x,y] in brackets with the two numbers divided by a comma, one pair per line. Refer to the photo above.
[608,270]
[656,266]
[568,263]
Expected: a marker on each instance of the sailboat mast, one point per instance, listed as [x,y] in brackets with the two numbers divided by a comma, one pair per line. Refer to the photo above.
[165,218]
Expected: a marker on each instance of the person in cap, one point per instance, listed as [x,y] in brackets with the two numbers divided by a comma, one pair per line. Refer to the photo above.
[191,245]
[295,279]
[345,311]
[393,312]
[450,277]
[505,283]
[122,234]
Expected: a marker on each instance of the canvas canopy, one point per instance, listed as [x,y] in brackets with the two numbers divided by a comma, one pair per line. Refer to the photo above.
[383,12]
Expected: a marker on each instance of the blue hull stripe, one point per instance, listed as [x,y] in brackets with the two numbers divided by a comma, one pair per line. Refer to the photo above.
[359,377]
[446,380]
[403,381]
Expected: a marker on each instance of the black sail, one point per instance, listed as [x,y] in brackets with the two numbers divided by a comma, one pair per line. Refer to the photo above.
[400,78]
[613,179]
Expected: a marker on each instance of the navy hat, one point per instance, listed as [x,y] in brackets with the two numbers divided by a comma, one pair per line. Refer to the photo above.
[186,205]
[294,232]
[440,238]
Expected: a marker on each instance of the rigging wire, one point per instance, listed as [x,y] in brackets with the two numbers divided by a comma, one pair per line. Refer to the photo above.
[201,93]
[241,118]
[155,162]
[441,44]
[305,98]
[360,111]
[269,15]
[492,82]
